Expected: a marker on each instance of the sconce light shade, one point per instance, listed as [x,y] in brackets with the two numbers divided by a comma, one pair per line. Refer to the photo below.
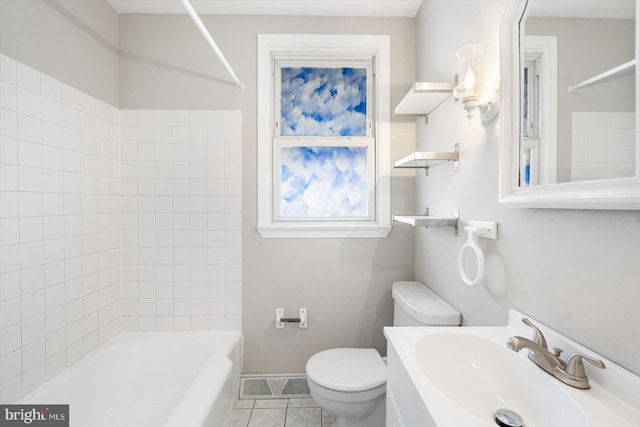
[469,77]
[470,88]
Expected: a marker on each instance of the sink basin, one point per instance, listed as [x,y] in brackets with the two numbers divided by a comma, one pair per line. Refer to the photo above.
[481,376]
[452,377]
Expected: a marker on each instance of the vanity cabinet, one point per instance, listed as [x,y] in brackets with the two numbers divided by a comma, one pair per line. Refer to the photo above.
[405,407]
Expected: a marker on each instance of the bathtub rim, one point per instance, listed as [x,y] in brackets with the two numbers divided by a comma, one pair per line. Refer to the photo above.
[231,346]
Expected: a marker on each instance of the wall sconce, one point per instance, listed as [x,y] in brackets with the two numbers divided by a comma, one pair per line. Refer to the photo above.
[470,85]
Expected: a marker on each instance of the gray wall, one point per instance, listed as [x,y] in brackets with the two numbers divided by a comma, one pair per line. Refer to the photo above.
[577,271]
[587,47]
[345,284]
[585,284]
[74,41]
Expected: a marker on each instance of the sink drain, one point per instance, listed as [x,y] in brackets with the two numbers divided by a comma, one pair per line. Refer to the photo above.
[508,418]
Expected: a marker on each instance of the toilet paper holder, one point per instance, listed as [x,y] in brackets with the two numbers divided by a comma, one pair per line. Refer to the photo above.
[301,320]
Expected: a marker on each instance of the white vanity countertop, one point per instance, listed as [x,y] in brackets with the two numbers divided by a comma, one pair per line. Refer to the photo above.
[612,401]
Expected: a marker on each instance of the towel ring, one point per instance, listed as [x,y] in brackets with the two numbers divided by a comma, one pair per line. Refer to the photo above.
[472,244]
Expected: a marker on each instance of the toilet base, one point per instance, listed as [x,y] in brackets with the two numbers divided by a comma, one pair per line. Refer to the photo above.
[376,419]
[366,409]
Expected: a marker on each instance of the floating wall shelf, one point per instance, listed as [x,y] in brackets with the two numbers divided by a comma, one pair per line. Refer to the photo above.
[423,98]
[426,159]
[429,221]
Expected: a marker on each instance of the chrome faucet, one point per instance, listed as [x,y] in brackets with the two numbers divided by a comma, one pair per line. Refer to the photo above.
[570,372]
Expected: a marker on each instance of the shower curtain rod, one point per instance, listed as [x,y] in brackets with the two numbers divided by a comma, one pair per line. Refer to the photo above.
[196,19]
[611,72]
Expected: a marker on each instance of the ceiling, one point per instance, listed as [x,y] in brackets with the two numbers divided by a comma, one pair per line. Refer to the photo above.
[612,9]
[378,8]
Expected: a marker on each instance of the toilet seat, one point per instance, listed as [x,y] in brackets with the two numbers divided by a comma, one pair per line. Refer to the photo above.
[347,369]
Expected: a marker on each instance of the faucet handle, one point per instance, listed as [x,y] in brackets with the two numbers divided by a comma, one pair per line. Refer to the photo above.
[575,367]
[538,338]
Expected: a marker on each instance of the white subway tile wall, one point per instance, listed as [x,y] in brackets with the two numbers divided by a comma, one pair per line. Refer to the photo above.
[109,220]
[59,226]
[603,145]
[181,219]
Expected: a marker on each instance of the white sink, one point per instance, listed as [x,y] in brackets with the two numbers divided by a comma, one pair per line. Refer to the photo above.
[481,376]
[448,376]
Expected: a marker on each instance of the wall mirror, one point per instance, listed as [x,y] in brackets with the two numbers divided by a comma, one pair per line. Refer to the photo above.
[569,117]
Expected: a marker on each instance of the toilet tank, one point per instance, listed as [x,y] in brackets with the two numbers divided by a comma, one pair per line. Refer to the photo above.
[417,305]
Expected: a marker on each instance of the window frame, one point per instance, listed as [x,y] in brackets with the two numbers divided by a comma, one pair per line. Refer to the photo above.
[541,54]
[340,50]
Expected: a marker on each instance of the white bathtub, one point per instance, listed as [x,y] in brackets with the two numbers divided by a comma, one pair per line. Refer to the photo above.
[170,379]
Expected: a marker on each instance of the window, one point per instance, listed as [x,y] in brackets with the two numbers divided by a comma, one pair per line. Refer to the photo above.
[321,99]
[323,136]
[323,146]
[538,141]
[530,142]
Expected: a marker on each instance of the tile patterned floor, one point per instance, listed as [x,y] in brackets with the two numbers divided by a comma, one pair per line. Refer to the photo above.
[282,413]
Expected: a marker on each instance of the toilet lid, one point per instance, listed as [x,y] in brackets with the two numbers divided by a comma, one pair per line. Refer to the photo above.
[347,369]
[424,305]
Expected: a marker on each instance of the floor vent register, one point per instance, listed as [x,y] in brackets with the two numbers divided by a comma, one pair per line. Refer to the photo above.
[274,387]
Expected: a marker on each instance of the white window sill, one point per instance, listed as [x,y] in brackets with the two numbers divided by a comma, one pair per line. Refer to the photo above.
[323,231]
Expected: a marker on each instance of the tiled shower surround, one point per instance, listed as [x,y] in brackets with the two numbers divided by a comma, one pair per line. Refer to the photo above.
[59,227]
[181,219]
[109,220]
[603,145]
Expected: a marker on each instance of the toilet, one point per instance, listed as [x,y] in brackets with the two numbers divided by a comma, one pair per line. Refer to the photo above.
[351,382]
